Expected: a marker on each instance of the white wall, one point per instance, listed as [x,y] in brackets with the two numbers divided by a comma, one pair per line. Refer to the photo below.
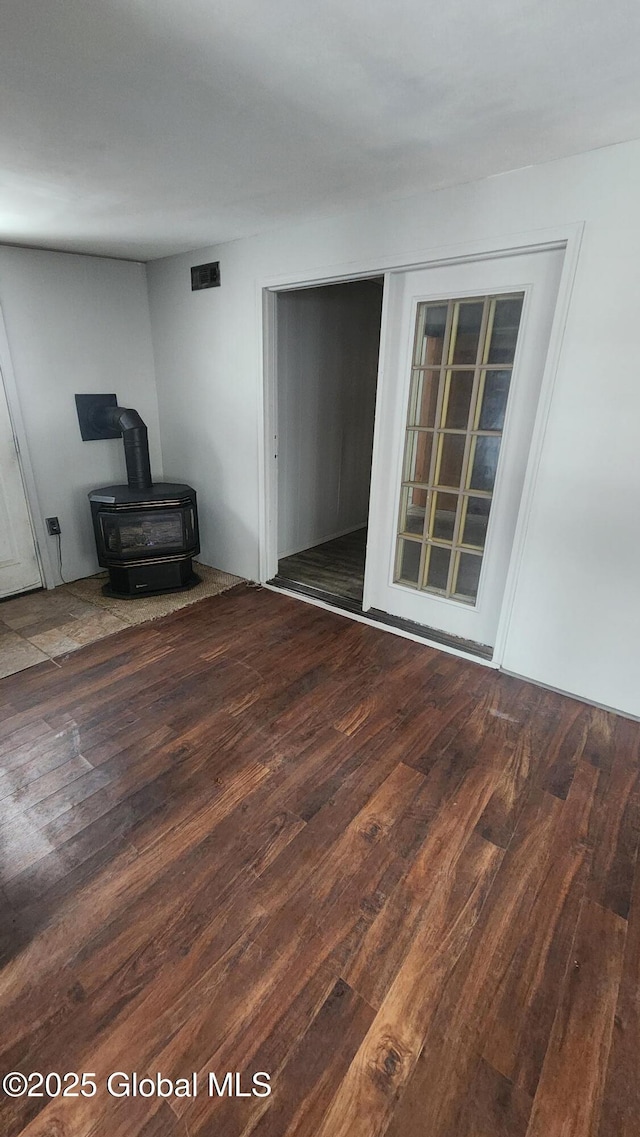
[327,343]
[576,615]
[75,324]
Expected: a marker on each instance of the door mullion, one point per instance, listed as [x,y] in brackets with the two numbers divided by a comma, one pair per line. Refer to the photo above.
[464,476]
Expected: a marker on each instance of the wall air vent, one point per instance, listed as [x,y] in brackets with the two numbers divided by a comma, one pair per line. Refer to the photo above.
[205,276]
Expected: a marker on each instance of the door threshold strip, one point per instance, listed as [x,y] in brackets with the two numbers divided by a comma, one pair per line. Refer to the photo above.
[346,604]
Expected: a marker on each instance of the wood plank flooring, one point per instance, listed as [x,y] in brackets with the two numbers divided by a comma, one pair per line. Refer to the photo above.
[257,836]
[335,567]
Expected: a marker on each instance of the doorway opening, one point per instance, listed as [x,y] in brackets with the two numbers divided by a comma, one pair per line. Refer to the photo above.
[327,348]
[455,396]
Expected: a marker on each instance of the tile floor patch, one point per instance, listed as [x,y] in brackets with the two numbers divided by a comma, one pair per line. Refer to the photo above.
[17,653]
[40,626]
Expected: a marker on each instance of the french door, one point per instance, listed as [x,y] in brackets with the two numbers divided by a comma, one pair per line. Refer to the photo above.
[465,347]
[19,569]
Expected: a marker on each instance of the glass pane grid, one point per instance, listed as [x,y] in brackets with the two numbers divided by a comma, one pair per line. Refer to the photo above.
[461,371]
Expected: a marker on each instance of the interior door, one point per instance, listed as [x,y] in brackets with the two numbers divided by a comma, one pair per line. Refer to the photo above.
[19,569]
[465,347]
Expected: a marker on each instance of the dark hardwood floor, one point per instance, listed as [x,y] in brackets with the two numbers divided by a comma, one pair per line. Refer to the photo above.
[258,836]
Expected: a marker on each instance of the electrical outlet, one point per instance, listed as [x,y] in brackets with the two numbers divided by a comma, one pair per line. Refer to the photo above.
[53,526]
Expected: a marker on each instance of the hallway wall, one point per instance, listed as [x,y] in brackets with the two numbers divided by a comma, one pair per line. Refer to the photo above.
[327,351]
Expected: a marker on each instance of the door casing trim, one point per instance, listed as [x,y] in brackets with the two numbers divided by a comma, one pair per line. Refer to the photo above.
[34,511]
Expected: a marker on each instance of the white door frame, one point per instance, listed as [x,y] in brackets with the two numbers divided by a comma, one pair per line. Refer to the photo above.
[34,511]
[568,237]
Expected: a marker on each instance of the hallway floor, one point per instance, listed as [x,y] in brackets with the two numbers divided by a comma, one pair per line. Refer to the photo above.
[335,567]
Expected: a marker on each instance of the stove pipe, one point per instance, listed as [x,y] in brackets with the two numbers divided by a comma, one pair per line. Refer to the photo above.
[136,445]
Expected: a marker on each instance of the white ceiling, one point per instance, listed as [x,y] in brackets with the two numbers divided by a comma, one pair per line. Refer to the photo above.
[139,128]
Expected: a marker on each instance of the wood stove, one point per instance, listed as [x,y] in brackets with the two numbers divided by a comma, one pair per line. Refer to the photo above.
[146,532]
[146,539]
